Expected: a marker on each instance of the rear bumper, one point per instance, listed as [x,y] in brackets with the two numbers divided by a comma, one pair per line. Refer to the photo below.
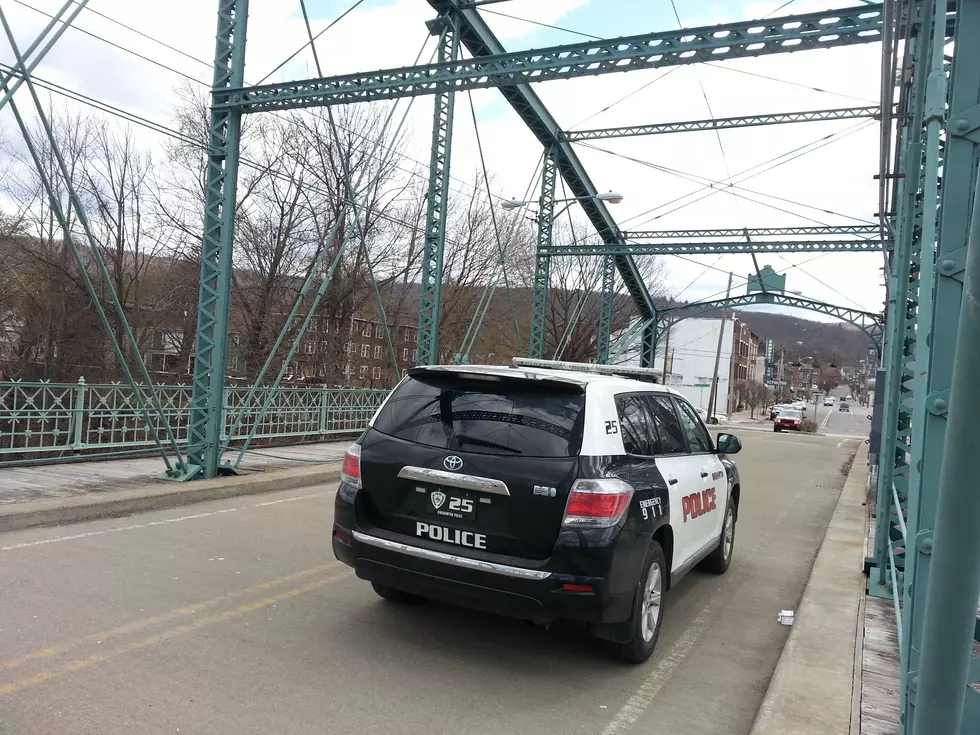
[523,592]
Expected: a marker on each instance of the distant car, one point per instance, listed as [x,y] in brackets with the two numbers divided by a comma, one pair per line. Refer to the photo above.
[791,420]
[844,407]
[828,401]
[848,397]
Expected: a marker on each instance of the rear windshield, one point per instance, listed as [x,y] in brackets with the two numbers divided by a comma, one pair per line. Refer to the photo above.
[496,416]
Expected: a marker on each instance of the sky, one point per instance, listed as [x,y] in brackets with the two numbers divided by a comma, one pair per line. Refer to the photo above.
[832,185]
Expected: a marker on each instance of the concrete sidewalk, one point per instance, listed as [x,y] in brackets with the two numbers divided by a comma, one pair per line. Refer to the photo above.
[74,479]
[812,689]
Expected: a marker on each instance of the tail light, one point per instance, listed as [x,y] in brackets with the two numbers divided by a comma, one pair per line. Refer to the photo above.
[597,503]
[351,473]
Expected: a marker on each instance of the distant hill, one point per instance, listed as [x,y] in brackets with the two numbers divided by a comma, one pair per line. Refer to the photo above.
[826,341]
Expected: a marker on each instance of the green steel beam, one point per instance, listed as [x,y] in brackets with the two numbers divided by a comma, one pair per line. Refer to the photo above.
[738,232]
[480,41]
[728,248]
[942,571]
[430,307]
[866,321]
[542,262]
[749,121]
[744,39]
[606,309]
[206,422]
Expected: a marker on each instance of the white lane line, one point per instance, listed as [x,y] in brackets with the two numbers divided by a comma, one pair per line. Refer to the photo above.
[643,697]
[288,500]
[75,536]
[148,524]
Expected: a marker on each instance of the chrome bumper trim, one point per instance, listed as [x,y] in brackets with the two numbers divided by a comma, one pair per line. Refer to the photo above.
[456,561]
[453,479]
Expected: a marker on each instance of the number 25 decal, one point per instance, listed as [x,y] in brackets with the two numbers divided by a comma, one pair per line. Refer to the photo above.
[611,427]
[464,505]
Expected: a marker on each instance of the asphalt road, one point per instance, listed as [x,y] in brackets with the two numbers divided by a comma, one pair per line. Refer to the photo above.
[841,423]
[233,617]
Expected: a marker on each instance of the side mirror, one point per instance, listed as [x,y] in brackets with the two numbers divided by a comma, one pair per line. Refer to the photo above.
[728,444]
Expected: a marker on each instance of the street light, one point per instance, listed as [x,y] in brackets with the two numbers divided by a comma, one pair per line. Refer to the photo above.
[610,196]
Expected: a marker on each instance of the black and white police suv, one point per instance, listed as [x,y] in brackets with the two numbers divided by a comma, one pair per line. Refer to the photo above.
[538,493]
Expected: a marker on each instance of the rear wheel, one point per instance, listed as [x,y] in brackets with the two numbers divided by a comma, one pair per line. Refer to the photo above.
[648,607]
[718,560]
[776,429]
[393,595]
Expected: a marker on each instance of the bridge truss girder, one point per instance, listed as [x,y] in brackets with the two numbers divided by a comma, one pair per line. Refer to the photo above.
[761,247]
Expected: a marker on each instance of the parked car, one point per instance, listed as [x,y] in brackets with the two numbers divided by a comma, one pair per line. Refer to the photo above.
[538,494]
[792,420]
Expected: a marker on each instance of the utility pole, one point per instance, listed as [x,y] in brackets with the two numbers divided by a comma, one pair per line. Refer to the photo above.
[666,352]
[713,396]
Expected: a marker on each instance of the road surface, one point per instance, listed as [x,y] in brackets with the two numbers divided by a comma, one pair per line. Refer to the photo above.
[232,617]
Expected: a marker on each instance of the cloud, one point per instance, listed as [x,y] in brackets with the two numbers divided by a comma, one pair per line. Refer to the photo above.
[836,182]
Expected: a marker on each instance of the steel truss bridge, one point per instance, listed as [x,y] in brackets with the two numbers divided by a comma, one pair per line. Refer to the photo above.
[927,545]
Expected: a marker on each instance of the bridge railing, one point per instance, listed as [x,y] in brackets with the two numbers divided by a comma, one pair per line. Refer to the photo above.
[47,422]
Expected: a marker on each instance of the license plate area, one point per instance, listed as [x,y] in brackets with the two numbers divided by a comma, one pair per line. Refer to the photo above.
[446,502]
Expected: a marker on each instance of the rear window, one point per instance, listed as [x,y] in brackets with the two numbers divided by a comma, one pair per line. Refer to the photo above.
[495,416]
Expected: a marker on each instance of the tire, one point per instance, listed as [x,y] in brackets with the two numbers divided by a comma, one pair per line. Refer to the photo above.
[648,609]
[718,560]
[392,595]
[776,429]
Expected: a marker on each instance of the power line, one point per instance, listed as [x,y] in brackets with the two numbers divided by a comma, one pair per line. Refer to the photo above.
[786,81]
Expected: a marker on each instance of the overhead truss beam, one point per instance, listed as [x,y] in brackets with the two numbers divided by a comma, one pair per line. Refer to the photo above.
[749,121]
[836,230]
[828,29]
[719,247]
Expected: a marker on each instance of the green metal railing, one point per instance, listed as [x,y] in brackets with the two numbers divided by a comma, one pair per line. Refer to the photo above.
[44,422]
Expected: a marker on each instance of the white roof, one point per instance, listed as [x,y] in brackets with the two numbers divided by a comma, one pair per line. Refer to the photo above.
[611,382]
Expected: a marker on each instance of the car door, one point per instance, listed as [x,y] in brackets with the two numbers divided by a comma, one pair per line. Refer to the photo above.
[704,512]
[682,472]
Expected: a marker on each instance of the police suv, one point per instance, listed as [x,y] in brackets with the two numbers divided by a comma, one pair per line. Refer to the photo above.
[539,491]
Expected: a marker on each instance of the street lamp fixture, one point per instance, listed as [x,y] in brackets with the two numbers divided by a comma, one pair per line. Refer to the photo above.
[611,197]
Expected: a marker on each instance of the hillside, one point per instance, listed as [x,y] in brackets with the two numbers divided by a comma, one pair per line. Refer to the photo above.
[836,341]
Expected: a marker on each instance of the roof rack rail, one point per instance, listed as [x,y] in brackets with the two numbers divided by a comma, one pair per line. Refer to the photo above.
[648,375]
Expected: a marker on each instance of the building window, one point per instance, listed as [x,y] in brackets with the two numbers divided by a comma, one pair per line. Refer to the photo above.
[346,346]
[362,372]
[366,329]
[376,373]
[416,334]
[308,348]
[405,354]
[378,332]
[377,351]
[347,370]
[365,350]
[406,334]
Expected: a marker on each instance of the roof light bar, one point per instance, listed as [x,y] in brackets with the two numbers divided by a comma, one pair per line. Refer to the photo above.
[650,375]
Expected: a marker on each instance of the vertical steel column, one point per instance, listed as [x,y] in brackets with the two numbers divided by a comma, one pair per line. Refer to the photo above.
[606,308]
[542,262]
[430,307]
[648,347]
[944,569]
[206,423]
[899,350]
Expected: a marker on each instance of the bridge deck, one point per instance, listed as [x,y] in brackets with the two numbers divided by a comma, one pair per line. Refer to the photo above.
[21,484]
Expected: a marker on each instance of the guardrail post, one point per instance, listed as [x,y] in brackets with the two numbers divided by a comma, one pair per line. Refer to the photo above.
[79,415]
[324,397]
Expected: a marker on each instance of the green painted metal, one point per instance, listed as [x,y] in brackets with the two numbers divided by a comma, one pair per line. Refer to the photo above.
[39,56]
[748,121]
[765,280]
[606,309]
[430,308]
[44,422]
[670,247]
[82,264]
[829,29]
[945,566]
[211,341]
[739,232]
[542,262]
[867,322]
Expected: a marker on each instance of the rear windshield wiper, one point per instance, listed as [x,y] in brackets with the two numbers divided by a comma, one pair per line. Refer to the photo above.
[466,439]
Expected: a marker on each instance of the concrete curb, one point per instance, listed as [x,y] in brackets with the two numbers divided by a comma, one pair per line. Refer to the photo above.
[156,496]
[811,691]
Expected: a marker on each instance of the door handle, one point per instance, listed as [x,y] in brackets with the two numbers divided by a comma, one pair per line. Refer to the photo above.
[672,480]
[703,473]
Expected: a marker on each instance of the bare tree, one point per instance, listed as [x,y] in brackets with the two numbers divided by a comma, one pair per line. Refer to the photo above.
[754,394]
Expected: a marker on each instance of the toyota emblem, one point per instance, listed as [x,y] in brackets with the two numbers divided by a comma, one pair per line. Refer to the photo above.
[452,463]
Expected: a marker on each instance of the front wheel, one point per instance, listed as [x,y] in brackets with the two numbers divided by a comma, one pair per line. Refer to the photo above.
[648,607]
[776,429]
[718,560]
